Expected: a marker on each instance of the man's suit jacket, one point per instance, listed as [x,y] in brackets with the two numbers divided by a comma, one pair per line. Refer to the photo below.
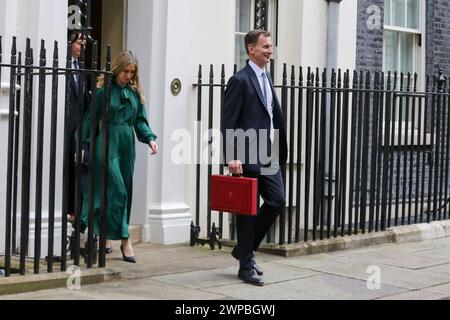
[244,108]
[74,106]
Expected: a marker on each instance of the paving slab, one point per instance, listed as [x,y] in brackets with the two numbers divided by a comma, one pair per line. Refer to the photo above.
[205,263]
[426,245]
[277,291]
[442,271]
[274,273]
[147,289]
[397,257]
[155,260]
[34,282]
[317,260]
[437,252]
[222,277]
[144,289]
[51,294]
[442,289]
[390,275]
[416,295]
[318,287]
[346,254]
[202,279]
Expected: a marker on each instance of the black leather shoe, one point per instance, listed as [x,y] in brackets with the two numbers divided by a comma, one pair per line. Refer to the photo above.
[250,276]
[257,268]
[127,259]
[235,253]
[108,250]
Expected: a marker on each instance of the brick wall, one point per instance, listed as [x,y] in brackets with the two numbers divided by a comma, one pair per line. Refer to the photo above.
[369,42]
[438,36]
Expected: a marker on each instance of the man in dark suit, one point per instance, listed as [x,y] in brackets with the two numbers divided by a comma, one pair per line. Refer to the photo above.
[255,146]
[78,98]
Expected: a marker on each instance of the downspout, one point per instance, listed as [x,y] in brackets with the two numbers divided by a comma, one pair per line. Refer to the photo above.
[332,35]
[332,60]
[332,54]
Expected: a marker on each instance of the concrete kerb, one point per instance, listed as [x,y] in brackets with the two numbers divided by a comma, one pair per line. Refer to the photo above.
[421,231]
[399,234]
[28,283]
[330,245]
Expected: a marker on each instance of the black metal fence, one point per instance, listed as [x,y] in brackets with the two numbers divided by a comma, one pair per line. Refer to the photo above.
[366,152]
[27,127]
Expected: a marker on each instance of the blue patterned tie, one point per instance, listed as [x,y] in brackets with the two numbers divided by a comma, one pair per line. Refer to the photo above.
[265,90]
[76,75]
[272,132]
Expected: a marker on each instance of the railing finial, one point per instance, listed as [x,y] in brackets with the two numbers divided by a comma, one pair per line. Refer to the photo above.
[440,78]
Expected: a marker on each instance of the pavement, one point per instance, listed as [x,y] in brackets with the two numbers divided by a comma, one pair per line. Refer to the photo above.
[395,271]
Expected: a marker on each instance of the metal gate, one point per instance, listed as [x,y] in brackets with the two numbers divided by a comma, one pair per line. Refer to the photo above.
[31,149]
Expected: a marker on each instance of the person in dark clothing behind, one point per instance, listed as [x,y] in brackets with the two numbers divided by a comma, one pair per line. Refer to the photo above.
[78,98]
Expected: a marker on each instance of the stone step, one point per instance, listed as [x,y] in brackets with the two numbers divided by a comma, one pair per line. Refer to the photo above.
[135,234]
[72,279]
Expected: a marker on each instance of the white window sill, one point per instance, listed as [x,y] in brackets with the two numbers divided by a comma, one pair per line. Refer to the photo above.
[4,86]
[418,141]
[4,114]
[401,29]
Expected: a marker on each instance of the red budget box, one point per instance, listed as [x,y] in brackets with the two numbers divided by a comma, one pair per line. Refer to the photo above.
[234,194]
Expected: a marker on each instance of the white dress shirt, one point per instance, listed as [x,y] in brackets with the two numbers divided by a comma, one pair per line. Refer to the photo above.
[269,98]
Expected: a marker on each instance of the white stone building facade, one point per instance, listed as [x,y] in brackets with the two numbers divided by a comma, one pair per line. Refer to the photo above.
[171,39]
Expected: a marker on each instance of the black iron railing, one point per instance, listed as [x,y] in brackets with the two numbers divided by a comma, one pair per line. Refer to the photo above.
[366,152]
[21,162]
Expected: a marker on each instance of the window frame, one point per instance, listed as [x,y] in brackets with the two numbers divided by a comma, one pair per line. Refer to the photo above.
[406,29]
[419,54]
[271,27]
[418,64]
[239,33]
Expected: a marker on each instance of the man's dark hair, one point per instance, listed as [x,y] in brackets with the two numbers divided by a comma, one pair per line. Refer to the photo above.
[253,36]
[74,35]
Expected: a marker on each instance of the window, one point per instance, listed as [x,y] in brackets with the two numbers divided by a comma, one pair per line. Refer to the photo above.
[402,36]
[245,21]
[403,52]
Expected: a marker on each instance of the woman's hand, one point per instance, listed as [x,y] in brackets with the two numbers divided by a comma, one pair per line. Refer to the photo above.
[153,147]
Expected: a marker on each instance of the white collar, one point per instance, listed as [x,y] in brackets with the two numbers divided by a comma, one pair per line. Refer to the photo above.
[258,71]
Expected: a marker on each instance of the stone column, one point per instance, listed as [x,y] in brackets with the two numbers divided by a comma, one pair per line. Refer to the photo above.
[158,33]
[8,27]
[4,118]
[35,20]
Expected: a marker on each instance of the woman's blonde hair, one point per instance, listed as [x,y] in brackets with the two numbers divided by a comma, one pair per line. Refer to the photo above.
[119,64]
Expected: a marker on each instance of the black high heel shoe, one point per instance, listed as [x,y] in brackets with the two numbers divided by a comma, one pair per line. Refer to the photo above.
[108,250]
[127,259]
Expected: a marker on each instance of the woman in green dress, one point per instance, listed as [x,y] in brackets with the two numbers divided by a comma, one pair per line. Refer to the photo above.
[127,117]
